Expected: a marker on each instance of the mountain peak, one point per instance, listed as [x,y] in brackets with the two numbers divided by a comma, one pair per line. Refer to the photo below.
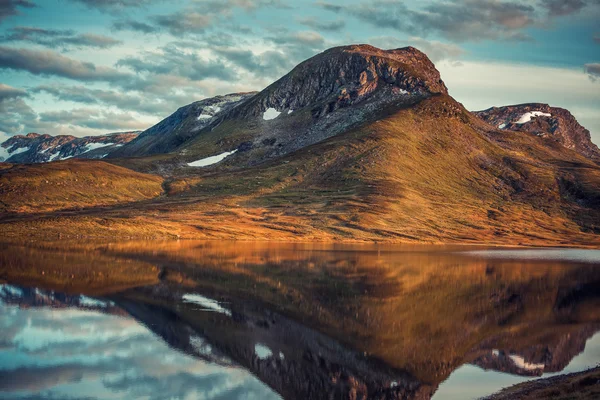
[343,76]
[545,121]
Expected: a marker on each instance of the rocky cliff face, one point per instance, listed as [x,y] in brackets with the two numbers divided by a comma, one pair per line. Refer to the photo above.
[36,148]
[344,76]
[322,97]
[545,121]
[180,126]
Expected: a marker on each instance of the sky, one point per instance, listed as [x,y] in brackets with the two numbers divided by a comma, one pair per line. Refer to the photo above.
[89,67]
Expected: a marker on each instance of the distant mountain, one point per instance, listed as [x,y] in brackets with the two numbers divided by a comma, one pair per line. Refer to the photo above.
[545,121]
[36,148]
[179,127]
[359,143]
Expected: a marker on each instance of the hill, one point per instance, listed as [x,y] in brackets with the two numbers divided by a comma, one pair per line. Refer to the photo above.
[72,184]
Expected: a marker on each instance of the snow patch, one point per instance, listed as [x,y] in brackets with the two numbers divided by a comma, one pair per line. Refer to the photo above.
[528,115]
[205,162]
[290,111]
[521,363]
[270,114]
[402,91]
[210,111]
[501,126]
[53,157]
[5,153]
[92,303]
[206,303]
[94,146]
[262,351]
[200,345]
[11,290]
[496,353]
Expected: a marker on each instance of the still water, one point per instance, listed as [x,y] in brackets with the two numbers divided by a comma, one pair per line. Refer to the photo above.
[231,320]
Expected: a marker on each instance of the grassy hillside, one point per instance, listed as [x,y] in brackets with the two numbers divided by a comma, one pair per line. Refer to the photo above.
[431,173]
[73,184]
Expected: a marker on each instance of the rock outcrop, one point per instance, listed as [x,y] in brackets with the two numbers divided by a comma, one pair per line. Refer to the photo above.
[545,121]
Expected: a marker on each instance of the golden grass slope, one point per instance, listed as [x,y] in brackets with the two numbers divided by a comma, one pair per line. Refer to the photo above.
[429,173]
[73,184]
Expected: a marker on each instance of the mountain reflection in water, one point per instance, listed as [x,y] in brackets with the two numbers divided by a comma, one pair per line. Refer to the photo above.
[307,320]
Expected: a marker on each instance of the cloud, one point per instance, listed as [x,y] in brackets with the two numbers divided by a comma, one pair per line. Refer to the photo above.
[562,7]
[94,118]
[329,26]
[593,70]
[59,38]
[113,5]
[136,26]
[435,50]
[184,22]
[467,20]
[151,105]
[196,18]
[9,8]
[9,92]
[172,59]
[13,109]
[50,63]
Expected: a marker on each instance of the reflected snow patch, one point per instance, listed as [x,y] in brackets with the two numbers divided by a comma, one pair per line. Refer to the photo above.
[11,290]
[262,351]
[92,303]
[521,363]
[206,303]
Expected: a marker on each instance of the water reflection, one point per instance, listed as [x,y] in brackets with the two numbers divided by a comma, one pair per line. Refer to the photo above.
[332,321]
[60,346]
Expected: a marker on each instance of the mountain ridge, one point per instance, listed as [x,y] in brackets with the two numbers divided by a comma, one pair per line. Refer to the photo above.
[397,160]
[38,148]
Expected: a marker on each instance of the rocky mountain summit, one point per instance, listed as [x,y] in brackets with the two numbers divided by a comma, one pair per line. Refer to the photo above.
[36,148]
[323,96]
[545,121]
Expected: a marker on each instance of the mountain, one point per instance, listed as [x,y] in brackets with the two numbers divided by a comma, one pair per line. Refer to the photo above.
[545,121]
[36,148]
[356,143]
[322,97]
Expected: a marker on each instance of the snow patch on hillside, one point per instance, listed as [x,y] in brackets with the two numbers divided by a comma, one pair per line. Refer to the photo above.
[94,146]
[528,115]
[205,303]
[210,111]
[205,162]
[270,114]
[5,153]
[501,126]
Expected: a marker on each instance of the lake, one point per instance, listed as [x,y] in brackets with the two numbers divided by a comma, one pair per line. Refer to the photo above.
[246,320]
